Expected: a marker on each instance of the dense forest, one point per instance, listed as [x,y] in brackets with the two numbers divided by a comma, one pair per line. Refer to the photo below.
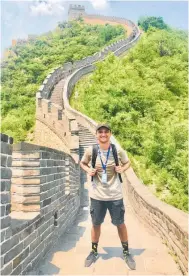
[144,98]
[22,75]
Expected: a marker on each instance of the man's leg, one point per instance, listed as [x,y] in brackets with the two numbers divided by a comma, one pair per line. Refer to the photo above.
[117,212]
[122,231]
[98,211]
[95,233]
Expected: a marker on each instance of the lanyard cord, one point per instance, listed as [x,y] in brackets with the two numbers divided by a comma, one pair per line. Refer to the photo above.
[108,153]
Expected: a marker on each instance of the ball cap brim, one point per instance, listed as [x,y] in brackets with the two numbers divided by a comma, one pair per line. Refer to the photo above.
[103,125]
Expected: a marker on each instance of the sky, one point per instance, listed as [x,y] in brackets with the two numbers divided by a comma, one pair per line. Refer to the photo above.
[20,18]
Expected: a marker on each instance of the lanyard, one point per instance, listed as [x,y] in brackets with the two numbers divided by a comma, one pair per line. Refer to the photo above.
[108,153]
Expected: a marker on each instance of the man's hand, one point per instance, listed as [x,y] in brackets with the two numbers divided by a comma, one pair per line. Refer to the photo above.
[119,169]
[87,169]
[91,171]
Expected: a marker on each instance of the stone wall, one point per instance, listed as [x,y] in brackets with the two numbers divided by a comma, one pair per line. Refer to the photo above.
[45,183]
[168,222]
[59,73]
[67,69]
[45,136]
[50,117]
[76,76]
[101,19]
[46,197]
[45,190]
[6,161]
[75,11]
[112,18]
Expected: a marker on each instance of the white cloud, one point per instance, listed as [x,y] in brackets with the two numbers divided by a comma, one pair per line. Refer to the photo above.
[56,7]
[99,4]
[49,7]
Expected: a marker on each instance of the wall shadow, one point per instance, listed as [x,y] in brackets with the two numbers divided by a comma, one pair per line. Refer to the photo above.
[65,243]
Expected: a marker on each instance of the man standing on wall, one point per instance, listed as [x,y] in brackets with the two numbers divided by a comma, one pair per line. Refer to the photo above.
[105,191]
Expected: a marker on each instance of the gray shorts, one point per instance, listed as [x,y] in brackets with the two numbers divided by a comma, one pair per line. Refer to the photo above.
[98,210]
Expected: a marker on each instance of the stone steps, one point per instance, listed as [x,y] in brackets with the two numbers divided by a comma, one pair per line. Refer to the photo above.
[83,137]
[82,134]
[57,93]
[86,139]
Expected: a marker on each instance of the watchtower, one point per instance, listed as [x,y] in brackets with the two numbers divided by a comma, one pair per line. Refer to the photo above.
[75,11]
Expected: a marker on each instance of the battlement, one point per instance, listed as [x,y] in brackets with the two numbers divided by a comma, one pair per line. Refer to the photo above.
[40,198]
[75,11]
[41,188]
[76,7]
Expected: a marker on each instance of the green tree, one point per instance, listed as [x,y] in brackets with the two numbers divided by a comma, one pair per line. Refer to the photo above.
[144,98]
[152,21]
[22,75]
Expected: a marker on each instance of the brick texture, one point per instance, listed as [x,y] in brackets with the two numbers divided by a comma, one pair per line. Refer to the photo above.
[45,190]
[44,196]
[6,160]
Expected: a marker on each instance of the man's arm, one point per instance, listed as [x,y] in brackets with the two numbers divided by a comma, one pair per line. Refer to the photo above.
[86,160]
[124,167]
[125,162]
[87,169]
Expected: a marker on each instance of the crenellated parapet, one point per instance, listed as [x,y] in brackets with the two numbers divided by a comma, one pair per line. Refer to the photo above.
[53,78]
[40,191]
[168,222]
[41,187]
[52,120]
[62,72]
[101,19]
[112,18]
[38,206]
[6,174]
[59,122]
[75,11]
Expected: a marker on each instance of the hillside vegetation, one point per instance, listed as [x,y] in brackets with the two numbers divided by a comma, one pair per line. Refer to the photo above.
[146,22]
[22,75]
[144,98]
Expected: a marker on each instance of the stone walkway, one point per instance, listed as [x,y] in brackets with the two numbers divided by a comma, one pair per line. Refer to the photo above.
[67,257]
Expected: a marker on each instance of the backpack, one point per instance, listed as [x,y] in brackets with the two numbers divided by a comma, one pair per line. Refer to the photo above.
[94,156]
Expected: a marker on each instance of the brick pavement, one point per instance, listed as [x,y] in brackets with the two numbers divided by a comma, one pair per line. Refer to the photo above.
[67,257]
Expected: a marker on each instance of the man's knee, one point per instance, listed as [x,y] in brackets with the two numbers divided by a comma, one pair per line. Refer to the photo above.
[96,226]
[121,226]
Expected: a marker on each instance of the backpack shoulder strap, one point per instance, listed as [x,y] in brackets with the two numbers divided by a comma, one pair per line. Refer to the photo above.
[94,156]
[114,151]
[115,155]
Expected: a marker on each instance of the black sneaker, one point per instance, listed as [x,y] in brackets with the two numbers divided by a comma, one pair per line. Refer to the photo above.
[129,260]
[91,258]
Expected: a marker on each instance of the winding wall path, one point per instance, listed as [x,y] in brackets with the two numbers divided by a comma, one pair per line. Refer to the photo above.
[67,257]
[151,223]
